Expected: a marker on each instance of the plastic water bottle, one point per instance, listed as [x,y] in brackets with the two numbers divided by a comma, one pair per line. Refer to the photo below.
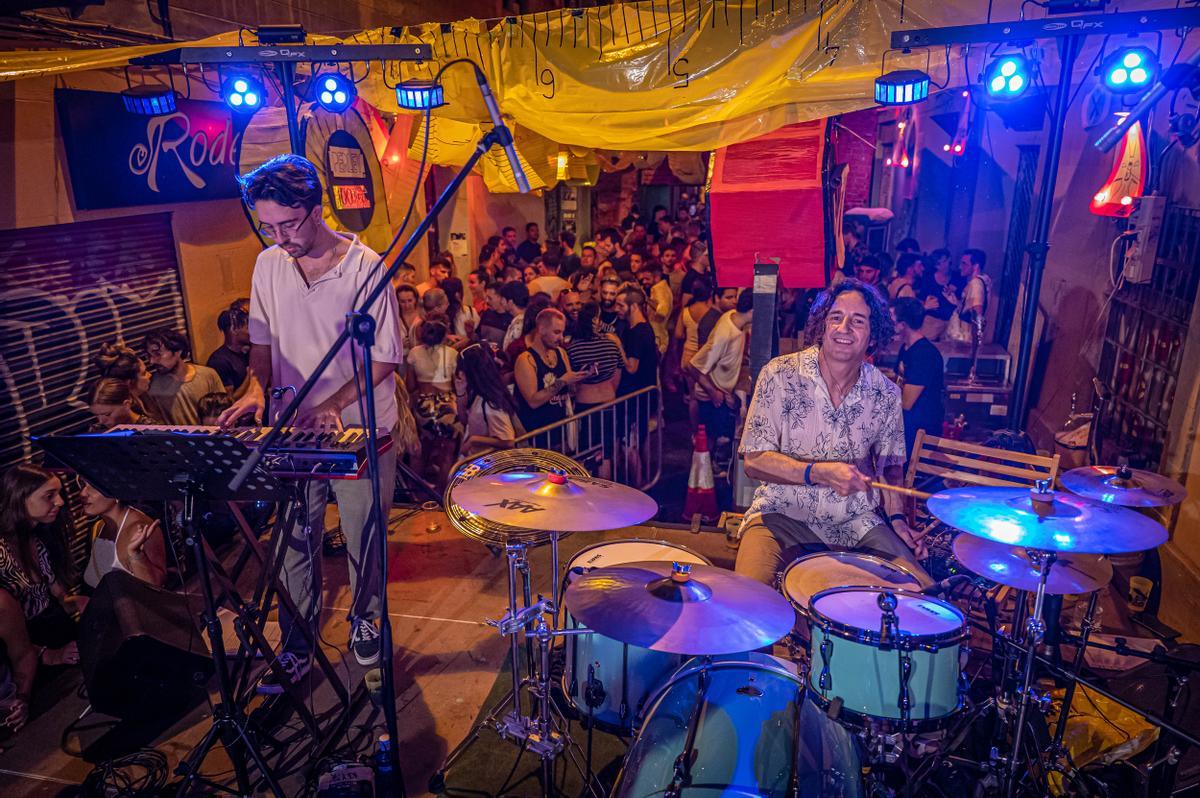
[385,776]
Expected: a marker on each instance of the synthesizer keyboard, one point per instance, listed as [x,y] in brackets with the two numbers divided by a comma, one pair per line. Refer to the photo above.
[297,453]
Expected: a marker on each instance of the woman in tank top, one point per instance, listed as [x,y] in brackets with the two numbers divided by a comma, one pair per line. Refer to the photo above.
[127,540]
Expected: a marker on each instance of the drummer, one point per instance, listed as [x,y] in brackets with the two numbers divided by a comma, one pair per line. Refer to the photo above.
[822,423]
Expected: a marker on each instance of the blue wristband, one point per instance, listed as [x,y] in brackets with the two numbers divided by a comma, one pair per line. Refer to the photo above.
[808,474]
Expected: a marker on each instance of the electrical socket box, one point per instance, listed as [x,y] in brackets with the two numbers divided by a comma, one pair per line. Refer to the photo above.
[1145,223]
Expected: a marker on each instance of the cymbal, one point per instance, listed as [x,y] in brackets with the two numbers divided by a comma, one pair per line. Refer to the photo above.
[1064,522]
[707,611]
[540,500]
[1012,566]
[1128,487]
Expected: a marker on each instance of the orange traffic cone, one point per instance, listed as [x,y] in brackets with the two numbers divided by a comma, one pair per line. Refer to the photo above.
[701,495]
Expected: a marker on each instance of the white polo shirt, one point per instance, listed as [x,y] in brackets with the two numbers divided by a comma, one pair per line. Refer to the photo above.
[300,322]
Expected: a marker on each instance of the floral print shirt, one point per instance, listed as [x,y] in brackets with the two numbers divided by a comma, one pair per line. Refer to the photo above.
[791,412]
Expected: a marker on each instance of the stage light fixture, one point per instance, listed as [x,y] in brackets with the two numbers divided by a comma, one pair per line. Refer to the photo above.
[419,95]
[334,92]
[1128,70]
[243,93]
[902,87]
[149,100]
[1007,76]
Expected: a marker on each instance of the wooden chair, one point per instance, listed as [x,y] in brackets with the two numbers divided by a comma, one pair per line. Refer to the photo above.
[971,464]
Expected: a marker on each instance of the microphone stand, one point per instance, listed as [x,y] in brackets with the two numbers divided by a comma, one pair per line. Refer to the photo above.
[360,326]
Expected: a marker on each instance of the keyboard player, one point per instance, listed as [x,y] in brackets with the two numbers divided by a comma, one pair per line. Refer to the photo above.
[301,290]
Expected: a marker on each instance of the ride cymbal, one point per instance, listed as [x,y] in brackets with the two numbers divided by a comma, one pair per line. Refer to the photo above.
[1128,487]
[539,500]
[1011,565]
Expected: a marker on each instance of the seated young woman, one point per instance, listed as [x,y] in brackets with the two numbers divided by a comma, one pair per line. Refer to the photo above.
[125,539]
[35,610]
[113,403]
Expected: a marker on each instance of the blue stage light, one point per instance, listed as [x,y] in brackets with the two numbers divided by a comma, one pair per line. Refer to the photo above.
[243,93]
[334,92]
[901,87]
[1128,70]
[419,95]
[1007,76]
[149,100]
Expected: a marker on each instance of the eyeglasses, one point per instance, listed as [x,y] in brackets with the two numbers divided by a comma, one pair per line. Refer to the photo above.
[285,230]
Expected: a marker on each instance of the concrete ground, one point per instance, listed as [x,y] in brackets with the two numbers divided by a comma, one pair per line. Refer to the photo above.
[441,589]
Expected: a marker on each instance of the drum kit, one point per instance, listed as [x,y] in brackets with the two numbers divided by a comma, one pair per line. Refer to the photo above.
[660,646]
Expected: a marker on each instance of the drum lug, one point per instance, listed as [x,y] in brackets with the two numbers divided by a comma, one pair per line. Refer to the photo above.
[905,703]
[825,680]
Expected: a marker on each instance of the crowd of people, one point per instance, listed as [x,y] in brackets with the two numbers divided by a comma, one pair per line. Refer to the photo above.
[537,332]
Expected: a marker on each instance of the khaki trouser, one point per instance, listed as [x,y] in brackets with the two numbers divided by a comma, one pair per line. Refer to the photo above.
[772,540]
[302,560]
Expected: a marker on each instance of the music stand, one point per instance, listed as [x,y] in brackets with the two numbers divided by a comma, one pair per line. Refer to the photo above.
[140,466]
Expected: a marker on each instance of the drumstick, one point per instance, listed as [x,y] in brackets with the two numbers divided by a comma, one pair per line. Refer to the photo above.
[916,494]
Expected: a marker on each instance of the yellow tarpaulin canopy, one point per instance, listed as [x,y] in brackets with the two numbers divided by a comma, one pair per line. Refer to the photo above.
[685,75]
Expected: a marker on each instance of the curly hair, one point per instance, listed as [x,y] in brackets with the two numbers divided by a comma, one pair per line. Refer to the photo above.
[289,180]
[883,329]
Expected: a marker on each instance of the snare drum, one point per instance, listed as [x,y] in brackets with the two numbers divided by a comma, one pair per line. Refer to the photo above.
[750,731]
[624,674]
[812,573]
[851,665]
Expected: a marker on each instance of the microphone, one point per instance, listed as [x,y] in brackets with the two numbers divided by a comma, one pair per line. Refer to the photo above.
[946,585]
[502,132]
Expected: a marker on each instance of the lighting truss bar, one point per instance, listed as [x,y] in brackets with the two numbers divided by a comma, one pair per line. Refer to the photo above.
[1051,27]
[324,54]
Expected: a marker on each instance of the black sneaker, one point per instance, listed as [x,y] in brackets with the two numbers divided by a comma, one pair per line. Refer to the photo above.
[292,667]
[334,542]
[364,642]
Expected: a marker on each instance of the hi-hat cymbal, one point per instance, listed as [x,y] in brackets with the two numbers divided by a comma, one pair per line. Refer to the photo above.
[538,500]
[707,611]
[1064,523]
[1128,487]
[1012,566]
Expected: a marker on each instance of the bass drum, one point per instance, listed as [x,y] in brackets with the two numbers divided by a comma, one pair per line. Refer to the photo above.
[622,675]
[743,722]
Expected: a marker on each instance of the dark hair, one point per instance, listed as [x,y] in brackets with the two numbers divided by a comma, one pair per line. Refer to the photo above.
[537,303]
[482,276]
[909,245]
[483,378]
[289,180]
[213,404]
[110,391]
[634,296]
[745,302]
[433,329]
[494,242]
[909,312]
[568,238]
[119,362]
[528,225]
[442,261]
[701,292]
[486,253]
[515,292]
[552,258]
[905,263]
[938,254]
[870,261]
[504,230]
[586,247]
[609,234]
[977,257]
[454,295]
[584,327]
[17,484]
[171,340]
[883,329]
[405,288]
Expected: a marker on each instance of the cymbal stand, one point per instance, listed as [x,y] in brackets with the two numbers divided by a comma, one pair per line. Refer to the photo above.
[1085,631]
[1035,628]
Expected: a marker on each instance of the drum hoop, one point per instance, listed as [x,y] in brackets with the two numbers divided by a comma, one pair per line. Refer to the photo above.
[690,667]
[871,636]
[803,608]
[861,720]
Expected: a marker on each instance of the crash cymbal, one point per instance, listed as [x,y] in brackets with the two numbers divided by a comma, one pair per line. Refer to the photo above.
[1058,521]
[1128,487]
[664,607]
[540,500]
[1012,566]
